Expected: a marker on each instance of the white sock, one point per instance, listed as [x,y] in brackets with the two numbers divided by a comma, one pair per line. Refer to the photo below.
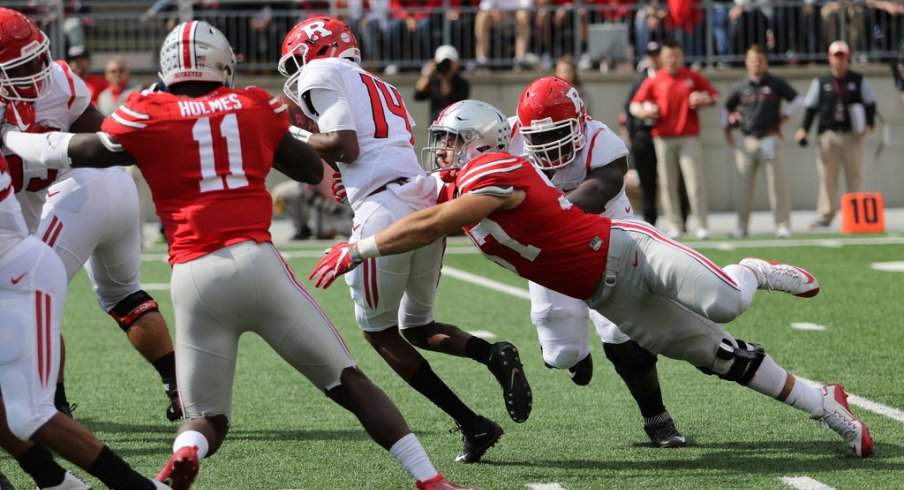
[805,397]
[192,438]
[745,279]
[409,452]
[769,378]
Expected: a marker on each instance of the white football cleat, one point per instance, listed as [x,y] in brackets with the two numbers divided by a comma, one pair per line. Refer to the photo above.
[70,482]
[775,276]
[838,417]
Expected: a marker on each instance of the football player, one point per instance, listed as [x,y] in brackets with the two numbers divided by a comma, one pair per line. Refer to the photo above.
[89,217]
[664,295]
[365,128]
[587,161]
[32,294]
[205,149]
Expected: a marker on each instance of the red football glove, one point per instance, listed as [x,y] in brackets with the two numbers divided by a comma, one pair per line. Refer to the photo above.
[339,193]
[338,261]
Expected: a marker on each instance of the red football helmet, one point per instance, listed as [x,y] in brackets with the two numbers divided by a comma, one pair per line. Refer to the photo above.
[552,121]
[314,38]
[26,68]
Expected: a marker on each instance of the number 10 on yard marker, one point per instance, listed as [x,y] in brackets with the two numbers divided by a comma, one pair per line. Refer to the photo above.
[862,212]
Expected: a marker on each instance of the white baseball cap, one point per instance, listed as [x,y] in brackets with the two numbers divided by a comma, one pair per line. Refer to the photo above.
[839,47]
[446,52]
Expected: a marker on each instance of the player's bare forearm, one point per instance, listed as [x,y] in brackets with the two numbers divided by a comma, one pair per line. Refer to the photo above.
[87,150]
[601,185]
[429,225]
[299,161]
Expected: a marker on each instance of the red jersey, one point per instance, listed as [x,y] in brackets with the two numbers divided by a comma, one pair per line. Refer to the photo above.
[545,239]
[672,94]
[205,160]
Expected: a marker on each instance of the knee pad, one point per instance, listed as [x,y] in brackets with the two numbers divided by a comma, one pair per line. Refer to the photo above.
[737,363]
[630,359]
[130,309]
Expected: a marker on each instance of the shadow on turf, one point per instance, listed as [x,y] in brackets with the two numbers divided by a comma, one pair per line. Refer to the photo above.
[741,458]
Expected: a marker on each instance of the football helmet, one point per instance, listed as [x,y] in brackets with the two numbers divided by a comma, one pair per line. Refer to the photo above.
[463,131]
[26,67]
[311,39]
[196,51]
[552,119]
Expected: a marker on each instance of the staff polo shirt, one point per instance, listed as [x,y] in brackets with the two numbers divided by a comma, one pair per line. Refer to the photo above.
[759,102]
[672,94]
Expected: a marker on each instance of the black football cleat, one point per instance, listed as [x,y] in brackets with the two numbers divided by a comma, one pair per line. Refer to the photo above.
[484,435]
[582,372]
[664,434]
[509,372]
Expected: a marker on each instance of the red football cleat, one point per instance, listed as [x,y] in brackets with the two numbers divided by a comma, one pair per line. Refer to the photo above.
[181,469]
[439,482]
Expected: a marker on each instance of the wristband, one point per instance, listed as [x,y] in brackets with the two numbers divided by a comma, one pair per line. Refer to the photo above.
[46,150]
[365,249]
[300,134]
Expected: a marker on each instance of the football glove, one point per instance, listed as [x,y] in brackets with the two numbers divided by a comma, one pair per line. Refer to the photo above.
[338,260]
[339,193]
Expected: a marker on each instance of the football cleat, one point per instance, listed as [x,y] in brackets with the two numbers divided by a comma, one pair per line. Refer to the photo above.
[582,372]
[5,484]
[174,409]
[506,367]
[838,417]
[439,482]
[160,485]
[70,482]
[775,276]
[663,433]
[483,436]
[181,469]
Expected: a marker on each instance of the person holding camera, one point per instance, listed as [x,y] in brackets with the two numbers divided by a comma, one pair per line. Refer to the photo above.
[441,81]
[844,103]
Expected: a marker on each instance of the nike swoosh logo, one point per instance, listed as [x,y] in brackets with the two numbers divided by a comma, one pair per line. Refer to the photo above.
[355,228]
[51,194]
[810,277]
[514,375]
[635,260]
[17,279]
[627,209]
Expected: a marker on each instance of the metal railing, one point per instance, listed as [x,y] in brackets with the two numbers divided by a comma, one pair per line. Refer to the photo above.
[713,33]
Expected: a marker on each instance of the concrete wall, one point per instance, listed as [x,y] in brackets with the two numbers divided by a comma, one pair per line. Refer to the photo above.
[884,174]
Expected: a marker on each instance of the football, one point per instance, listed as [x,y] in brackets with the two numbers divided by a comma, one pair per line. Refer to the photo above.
[297,117]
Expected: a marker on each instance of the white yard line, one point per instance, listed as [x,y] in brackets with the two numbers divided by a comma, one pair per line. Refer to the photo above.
[487,283]
[544,486]
[804,483]
[888,266]
[807,326]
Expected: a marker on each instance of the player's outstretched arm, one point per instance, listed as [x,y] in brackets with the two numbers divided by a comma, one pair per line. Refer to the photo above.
[414,231]
[66,150]
[298,161]
[602,184]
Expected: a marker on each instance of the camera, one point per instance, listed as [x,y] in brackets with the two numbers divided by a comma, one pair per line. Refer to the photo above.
[444,67]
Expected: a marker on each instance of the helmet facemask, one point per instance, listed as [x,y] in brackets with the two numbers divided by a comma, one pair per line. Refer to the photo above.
[553,145]
[29,77]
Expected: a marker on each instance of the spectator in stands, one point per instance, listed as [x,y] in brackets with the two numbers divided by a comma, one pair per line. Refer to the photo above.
[755,105]
[410,30]
[289,199]
[796,29]
[897,71]
[555,21]
[686,25]
[119,87]
[672,98]
[567,70]
[853,21]
[441,82]
[883,20]
[79,61]
[372,22]
[749,24]
[649,24]
[845,104]
[506,17]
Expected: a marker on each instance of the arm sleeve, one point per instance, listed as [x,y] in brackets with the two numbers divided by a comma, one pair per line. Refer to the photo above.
[731,103]
[333,108]
[811,102]
[703,84]
[869,101]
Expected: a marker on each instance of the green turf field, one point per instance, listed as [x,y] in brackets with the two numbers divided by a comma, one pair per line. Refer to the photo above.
[287,435]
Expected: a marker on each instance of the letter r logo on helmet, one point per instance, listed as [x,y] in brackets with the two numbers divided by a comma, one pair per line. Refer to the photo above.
[316,29]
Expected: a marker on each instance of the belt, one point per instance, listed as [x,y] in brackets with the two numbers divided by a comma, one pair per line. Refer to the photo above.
[400,181]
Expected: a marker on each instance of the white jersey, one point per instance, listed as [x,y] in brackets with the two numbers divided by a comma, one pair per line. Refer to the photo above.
[12,226]
[601,147]
[379,117]
[66,101]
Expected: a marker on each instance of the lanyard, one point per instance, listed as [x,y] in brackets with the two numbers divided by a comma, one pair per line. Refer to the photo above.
[839,89]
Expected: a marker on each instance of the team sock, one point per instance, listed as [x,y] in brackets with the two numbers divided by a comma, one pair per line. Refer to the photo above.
[650,404]
[116,473]
[427,383]
[411,455]
[38,462]
[166,367]
[478,349]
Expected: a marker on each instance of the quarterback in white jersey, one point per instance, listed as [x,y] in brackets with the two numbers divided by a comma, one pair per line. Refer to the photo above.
[89,217]
[554,132]
[365,132]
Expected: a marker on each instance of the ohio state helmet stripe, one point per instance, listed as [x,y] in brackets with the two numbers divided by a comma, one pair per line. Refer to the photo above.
[188,45]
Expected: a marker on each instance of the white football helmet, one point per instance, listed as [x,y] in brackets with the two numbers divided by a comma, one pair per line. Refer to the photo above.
[26,68]
[196,51]
[463,131]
